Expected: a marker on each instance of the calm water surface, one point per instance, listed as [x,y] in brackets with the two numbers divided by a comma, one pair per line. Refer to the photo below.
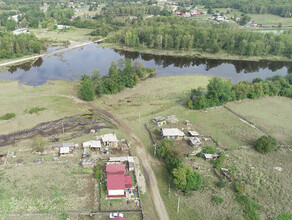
[71,64]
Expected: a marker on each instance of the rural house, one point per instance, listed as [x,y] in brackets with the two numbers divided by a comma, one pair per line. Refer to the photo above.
[172,133]
[110,140]
[117,182]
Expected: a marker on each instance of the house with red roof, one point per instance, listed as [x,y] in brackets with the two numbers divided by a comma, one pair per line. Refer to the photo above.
[117,181]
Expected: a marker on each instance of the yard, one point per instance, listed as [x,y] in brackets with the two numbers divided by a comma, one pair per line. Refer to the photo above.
[46,187]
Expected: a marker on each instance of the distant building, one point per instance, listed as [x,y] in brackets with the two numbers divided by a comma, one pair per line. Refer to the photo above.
[117,182]
[62,27]
[172,133]
[110,140]
[21,31]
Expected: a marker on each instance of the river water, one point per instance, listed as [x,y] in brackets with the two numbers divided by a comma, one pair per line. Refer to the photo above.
[71,64]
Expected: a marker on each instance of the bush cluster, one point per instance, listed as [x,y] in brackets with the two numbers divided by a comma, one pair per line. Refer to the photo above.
[266,144]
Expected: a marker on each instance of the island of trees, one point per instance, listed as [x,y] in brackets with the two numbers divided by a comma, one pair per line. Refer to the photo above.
[123,75]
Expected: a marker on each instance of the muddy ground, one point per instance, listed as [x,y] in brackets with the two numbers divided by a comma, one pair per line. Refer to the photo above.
[75,125]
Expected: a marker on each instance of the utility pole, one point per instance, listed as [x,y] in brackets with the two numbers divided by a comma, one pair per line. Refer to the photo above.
[63,127]
[178,204]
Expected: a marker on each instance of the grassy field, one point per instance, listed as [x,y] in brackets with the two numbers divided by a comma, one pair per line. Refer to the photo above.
[14,100]
[268,19]
[45,188]
[73,34]
[273,114]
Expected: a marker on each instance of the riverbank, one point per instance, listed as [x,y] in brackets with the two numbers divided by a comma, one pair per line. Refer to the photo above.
[195,54]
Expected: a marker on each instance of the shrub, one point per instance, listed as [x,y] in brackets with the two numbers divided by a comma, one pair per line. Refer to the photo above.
[266,144]
[97,172]
[209,150]
[7,116]
[250,207]
[221,184]
[239,188]
[34,110]
[217,200]
[39,143]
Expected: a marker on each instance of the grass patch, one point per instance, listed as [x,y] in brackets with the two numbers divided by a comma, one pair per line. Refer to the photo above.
[34,110]
[46,188]
[7,116]
[273,114]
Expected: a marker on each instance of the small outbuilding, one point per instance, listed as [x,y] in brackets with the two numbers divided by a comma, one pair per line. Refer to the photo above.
[211,156]
[172,133]
[93,145]
[194,141]
[194,134]
[110,140]
[64,150]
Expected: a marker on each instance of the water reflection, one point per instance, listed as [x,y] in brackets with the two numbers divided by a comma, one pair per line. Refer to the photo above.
[71,64]
[181,62]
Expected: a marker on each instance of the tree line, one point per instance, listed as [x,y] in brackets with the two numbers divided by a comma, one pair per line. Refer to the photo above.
[220,91]
[12,46]
[176,33]
[120,76]
[182,177]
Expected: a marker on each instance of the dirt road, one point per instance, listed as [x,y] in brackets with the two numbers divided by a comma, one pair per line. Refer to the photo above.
[140,149]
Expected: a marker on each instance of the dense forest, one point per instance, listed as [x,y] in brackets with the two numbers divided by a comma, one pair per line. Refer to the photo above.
[12,46]
[120,76]
[220,91]
[184,34]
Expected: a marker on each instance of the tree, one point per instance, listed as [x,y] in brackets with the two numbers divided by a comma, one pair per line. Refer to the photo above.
[87,92]
[39,143]
[194,180]
[10,25]
[179,178]
[266,144]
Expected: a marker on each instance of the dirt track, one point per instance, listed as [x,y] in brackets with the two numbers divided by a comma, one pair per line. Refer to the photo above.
[140,149]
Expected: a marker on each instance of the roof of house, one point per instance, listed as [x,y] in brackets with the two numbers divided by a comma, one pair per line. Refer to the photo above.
[158,118]
[115,168]
[95,144]
[115,181]
[119,218]
[109,138]
[64,150]
[193,133]
[172,132]
[128,181]
[69,144]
